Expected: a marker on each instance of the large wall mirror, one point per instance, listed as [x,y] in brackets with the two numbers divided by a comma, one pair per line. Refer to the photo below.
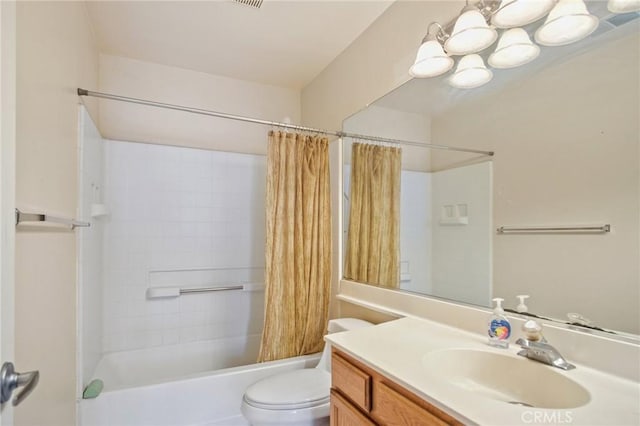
[565,131]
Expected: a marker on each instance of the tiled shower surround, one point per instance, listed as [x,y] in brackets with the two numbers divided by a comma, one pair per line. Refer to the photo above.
[90,245]
[181,217]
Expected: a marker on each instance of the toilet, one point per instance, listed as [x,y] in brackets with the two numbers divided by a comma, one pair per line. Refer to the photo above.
[299,397]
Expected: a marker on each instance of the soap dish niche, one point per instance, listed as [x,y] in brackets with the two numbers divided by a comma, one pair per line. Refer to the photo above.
[454,214]
[99,210]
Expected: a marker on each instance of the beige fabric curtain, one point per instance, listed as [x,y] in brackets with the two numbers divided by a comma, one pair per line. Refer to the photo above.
[298,246]
[373,242]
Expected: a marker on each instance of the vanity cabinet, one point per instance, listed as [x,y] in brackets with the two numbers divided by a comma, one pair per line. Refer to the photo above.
[363,397]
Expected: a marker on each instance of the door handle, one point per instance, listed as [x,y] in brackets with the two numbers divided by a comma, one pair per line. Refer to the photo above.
[10,380]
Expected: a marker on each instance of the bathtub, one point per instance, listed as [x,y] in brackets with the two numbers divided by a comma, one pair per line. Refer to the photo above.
[198,383]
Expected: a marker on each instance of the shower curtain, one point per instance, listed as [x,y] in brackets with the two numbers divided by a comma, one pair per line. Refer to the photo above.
[298,246]
[373,241]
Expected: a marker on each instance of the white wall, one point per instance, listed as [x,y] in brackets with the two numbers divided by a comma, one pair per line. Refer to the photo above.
[138,79]
[374,64]
[90,248]
[177,215]
[462,252]
[55,54]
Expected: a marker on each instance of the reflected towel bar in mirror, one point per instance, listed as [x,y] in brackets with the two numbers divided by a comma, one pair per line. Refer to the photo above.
[22,217]
[598,229]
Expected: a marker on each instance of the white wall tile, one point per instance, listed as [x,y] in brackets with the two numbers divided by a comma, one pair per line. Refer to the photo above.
[415,231]
[176,208]
[90,247]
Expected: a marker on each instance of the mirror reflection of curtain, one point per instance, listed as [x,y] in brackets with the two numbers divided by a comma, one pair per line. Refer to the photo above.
[298,246]
[373,241]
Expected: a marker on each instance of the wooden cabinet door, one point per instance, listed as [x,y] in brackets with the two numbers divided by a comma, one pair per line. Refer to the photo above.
[345,414]
[393,409]
[362,396]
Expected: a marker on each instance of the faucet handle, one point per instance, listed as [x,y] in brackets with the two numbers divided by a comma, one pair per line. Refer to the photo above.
[543,352]
[533,331]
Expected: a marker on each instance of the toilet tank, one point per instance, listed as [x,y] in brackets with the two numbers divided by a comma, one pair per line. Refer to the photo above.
[346,324]
[336,326]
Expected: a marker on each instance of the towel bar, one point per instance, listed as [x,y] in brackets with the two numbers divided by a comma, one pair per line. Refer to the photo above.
[160,292]
[554,229]
[43,217]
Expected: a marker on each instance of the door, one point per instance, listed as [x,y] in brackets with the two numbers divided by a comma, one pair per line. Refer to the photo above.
[7,186]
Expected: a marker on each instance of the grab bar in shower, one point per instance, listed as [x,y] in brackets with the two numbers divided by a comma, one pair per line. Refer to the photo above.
[208,289]
[22,217]
[162,292]
[202,268]
[554,229]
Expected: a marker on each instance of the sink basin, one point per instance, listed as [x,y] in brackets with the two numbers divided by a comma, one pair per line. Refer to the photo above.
[513,380]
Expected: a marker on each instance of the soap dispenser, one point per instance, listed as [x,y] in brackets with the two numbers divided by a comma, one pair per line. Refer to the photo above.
[521,306]
[499,328]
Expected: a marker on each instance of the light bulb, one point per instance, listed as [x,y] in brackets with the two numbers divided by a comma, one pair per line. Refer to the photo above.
[623,6]
[568,22]
[431,60]
[470,73]
[514,49]
[518,13]
[471,34]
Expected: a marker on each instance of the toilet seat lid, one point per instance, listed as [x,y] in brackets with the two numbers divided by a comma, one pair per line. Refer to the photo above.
[296,389]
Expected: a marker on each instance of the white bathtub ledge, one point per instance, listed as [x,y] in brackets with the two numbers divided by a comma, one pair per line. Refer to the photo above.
[396,349]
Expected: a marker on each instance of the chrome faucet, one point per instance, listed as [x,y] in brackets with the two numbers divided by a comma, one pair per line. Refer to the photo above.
[536,347]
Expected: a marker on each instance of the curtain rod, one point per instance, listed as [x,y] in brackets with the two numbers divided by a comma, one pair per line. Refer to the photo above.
[340,134]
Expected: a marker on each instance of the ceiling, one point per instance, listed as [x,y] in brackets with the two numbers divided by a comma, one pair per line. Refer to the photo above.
[284,43]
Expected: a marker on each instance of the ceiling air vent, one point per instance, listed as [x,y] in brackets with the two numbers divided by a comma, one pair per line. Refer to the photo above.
[251,3]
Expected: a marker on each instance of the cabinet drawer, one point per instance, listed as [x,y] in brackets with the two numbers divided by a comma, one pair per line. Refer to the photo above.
[345,414]
[394,409]
[352,382]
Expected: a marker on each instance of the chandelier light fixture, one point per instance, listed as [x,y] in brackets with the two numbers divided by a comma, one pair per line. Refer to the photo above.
[474,30]
[431,59]
[518,13]
[471,33]
[568,22]
[471,72]
[515,48]
[623,6]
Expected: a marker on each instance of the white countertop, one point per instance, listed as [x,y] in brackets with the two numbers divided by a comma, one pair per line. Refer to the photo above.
[396,349]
